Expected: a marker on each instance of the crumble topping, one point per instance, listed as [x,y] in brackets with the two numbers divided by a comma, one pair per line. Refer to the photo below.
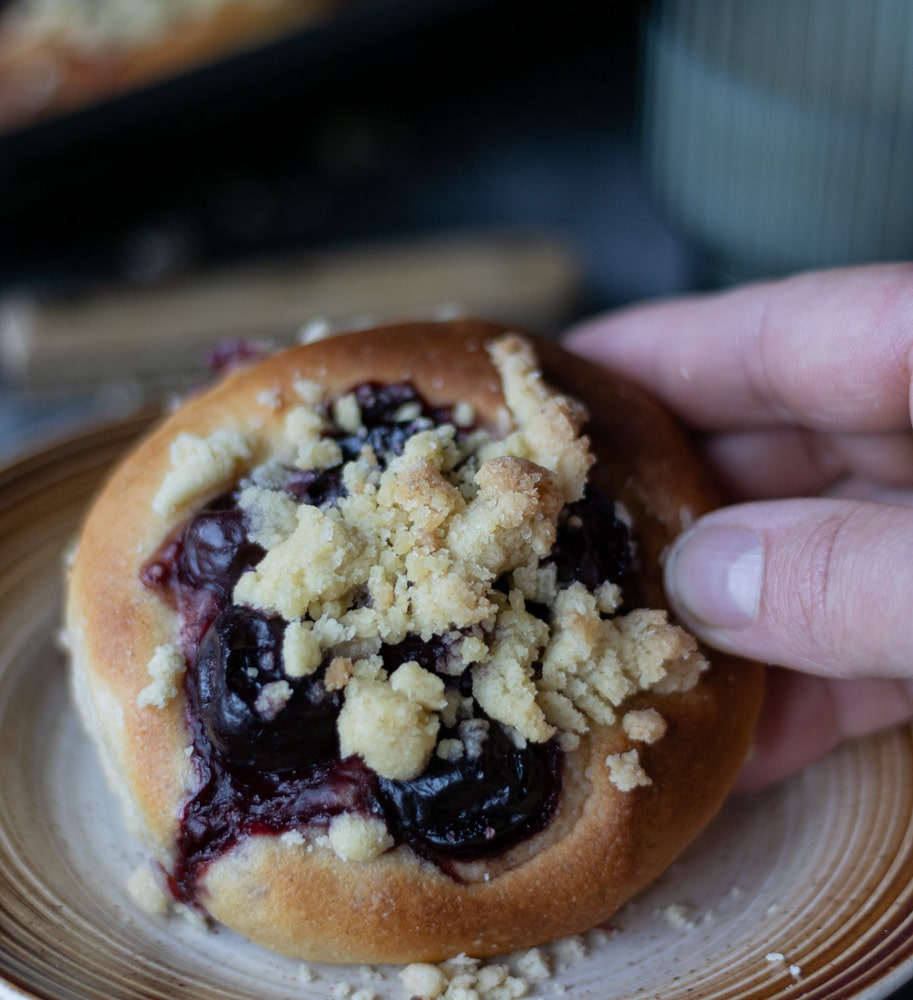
[356,838]
[272,515]
[625,771]
[321,561]
[394,733]
[272,699]
[644,725]
[548,424]
[200,465]
[679,916]
[465,978]
[301,652]
[448,541]
[166,668]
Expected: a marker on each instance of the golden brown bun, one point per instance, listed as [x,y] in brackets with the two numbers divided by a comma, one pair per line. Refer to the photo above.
[45,72]
[603,845]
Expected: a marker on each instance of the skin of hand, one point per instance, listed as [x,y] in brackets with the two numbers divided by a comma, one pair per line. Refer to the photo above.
[799,393]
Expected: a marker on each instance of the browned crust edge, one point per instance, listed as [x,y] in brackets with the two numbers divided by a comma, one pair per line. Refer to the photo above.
[604,846]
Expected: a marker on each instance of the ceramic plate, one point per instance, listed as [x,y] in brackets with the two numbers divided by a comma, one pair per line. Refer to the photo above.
[806,890]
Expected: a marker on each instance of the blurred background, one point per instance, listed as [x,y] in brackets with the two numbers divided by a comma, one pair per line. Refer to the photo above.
[534,162]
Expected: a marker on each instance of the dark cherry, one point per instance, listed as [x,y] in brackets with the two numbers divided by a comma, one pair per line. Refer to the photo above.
[318,488]
[239,656]
[433,655]
[426,654]
[216,549]
[593,545]
[385,435]
[232,803]
[379,402]
[473,808]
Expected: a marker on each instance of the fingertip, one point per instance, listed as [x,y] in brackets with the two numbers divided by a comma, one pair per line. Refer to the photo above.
[714,576]
[590,338]
[815,584]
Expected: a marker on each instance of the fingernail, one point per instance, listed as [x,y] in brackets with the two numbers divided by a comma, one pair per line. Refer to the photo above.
[714,575]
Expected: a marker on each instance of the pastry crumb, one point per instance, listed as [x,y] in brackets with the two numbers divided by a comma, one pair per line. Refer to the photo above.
[531,964]
[395,736]
[166,667]
[568,951]
[147,892]
[357,838]
[424,980]
[199,466]
[337,674]
[346,991]
[418,685]
[192,915]
[301,652]
[271,515]
[778,958]
[270,398]
[678,915]
[272,698]
[644,725]
[625,771]
[464,978]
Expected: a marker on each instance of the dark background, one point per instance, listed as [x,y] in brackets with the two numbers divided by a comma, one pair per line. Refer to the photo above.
[399,117]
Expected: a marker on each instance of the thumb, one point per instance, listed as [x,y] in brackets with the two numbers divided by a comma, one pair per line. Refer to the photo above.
[823,586]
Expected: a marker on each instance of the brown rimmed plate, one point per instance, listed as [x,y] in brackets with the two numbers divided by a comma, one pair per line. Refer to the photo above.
[803,891]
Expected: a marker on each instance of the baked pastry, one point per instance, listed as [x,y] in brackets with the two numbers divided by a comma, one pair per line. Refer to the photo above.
[58,56]
[373,641]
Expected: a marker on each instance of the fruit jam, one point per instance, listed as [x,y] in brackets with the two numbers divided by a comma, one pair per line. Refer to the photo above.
[263,771]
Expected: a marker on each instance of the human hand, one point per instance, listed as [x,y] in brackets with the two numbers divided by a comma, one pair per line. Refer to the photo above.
[800,394]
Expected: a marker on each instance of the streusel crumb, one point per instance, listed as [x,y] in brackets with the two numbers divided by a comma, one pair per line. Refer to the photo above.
[644,725]
[358,838]
[625,771]
[166,668]
[199,466]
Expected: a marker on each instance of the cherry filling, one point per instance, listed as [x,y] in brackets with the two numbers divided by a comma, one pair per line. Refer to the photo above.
[265,744]
[216,551]
[252,714]
[380,405]
[478,804]
[593,545]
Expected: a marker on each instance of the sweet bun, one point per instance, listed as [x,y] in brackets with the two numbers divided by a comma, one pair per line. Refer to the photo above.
[57,56]
[579,738]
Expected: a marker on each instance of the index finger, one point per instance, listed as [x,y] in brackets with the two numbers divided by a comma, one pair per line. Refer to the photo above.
[828,350]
